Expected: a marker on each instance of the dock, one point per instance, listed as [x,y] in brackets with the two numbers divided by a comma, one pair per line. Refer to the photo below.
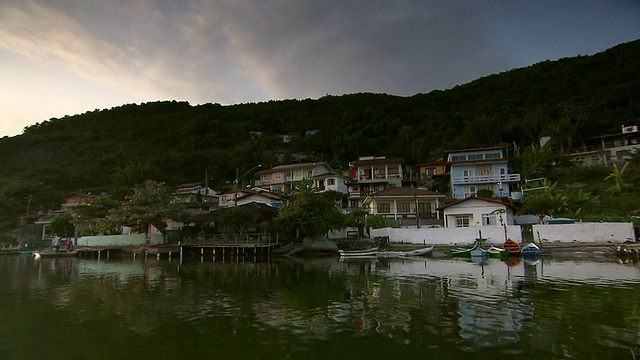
[215,246]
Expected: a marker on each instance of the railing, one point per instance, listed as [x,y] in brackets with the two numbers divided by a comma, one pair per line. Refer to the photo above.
[231,240]
[378,177]
[482,179]
[294,178]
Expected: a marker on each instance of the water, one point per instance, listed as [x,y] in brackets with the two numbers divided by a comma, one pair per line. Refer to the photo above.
[317,309]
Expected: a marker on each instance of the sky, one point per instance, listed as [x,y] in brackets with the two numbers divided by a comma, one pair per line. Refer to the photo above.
[67,57]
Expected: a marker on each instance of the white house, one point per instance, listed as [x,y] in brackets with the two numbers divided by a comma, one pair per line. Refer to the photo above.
[246,196]
[475,212]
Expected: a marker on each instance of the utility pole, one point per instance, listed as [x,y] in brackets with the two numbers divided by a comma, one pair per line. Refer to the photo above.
[238,178]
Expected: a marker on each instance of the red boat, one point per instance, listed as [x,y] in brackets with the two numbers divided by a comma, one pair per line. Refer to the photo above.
[512,246]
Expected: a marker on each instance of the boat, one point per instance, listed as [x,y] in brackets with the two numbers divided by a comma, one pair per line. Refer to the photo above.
[497,252]
[530,249]
[284,249]
[39,254]
[512,246]
[418,252]
[371,252]
[479,252]
[463,251]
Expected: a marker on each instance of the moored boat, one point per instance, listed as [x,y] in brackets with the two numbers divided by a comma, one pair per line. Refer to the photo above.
[39,254]
[371,252]
[497,252]
[463,251]
[479,252]
[419,252]
[512,247]
[530,249]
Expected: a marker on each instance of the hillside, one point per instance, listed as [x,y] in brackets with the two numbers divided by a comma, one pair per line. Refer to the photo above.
[111,150]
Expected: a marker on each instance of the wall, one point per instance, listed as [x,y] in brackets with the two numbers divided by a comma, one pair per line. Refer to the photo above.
[113,240]
[615,233]
[449,236]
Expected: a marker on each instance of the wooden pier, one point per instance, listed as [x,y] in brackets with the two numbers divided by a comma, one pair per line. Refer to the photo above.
[216,246]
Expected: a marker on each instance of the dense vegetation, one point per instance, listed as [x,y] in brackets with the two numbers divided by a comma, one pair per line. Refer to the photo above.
[112,150]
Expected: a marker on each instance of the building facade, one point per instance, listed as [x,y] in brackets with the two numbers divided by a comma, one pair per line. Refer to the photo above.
[471,170]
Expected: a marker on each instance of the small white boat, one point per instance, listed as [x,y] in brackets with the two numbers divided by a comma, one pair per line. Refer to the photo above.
[419,252]
[372,252]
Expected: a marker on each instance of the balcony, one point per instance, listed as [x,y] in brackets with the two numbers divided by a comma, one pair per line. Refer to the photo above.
[264,182]
[486,179]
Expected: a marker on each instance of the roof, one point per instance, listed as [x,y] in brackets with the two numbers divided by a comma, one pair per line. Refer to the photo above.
[330,174]
[378,161]
[474,149]
[258,209]
[243,193]
[489,200]
[292,166]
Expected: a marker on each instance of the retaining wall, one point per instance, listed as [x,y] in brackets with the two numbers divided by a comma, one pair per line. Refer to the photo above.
[604,233]
[113,240]
[449,236]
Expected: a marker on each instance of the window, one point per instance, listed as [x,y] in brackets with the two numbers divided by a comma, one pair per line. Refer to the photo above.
[331,181]
[458,158]
[424,210]
[393,171]
[462,220]
[467,173]
[470,191]
[404,208]
[277,176]
[492,155]
[384,208]
[475,157]
[489,219]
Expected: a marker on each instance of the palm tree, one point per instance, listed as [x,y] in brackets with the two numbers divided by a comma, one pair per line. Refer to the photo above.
[617,176]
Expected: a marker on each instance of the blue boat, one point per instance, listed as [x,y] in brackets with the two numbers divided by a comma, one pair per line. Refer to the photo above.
[479,252]
[530,249]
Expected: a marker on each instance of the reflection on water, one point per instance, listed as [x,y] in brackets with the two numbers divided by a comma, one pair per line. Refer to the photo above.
[318,308]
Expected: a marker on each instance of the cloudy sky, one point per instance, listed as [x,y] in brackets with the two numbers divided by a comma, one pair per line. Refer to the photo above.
[66,57]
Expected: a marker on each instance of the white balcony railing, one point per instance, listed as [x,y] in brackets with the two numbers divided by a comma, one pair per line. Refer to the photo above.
[486,179]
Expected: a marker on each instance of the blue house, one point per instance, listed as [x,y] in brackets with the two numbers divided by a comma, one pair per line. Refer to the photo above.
[483,168]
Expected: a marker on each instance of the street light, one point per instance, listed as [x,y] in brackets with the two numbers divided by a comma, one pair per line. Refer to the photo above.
[238,178]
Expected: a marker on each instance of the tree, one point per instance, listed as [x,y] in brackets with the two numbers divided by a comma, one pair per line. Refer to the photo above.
[310,214]
[555,201]
[63,226]
[617,176]
[238,220]
[150,204]
[534,161]
[376,221]
[95,214]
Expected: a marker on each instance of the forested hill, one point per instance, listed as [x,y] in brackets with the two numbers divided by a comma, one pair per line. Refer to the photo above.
[106,150]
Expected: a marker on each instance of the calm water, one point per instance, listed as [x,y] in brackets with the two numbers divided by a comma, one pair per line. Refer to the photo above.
[320,309]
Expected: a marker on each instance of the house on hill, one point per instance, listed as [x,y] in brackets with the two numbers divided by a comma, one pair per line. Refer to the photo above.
[370,174]
[603,151]
[196,197]
[284,178]
[471,170]
[408,204]
[244,196]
